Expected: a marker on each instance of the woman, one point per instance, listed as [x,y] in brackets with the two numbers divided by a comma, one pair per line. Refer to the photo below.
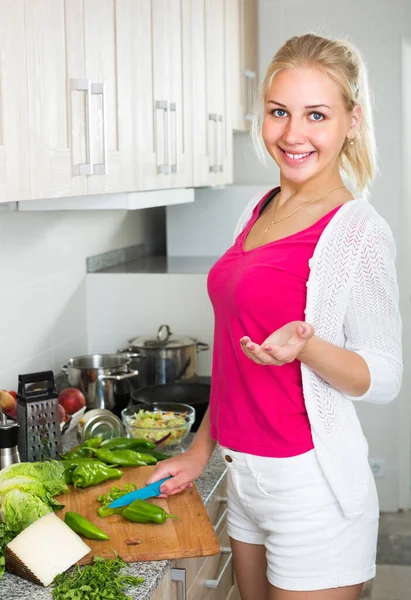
[306,325]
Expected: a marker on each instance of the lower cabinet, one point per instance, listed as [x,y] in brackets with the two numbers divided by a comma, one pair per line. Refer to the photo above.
[210,578]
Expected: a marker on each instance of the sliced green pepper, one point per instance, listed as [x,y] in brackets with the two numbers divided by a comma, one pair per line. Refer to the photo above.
[124,458]
[123,443]
[140,511]
[113,494]
[92,474]
[86,528]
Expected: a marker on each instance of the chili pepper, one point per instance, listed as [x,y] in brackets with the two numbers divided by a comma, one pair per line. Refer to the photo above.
[124,458]
[157,454]
[72,463]
[123,443]
[83,450]
[93,473]
[140,511]
[86,528]
[113,494]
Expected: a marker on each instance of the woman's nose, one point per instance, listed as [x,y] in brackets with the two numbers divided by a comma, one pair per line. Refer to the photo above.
[294,132]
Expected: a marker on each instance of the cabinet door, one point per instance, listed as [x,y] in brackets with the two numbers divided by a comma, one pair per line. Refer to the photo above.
[14,151]
[107,69]
[56,112]
[212,138]
[171,92]
[243,51]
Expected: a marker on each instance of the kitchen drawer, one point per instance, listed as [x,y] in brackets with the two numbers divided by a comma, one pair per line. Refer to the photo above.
[216,510]
[217,567]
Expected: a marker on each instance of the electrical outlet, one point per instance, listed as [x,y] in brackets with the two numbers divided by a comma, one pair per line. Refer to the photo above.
[377,467]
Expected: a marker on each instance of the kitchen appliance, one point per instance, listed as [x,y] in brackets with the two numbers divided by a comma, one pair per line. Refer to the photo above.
[9,453]
[169,357]
[103,379]
[39,435]
[192,535]
[195,393]
[149,491]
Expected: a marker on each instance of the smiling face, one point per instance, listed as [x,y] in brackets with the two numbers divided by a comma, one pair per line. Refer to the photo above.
[306,124]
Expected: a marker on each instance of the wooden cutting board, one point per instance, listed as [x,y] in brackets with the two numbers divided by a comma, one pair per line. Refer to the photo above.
[193,536]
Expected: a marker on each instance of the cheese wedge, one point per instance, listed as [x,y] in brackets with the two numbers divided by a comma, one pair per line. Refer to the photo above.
[44,549]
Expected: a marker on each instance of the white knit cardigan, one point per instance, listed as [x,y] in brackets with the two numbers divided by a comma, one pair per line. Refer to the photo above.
[352,302]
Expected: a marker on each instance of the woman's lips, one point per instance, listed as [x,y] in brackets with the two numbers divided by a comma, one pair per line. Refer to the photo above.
[297,158]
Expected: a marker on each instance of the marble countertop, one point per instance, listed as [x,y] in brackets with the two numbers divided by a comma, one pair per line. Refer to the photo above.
[181,265]
[15,588]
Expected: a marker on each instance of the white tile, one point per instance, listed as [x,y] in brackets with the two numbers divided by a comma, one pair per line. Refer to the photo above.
[68,349]
[31,364]
[68,316]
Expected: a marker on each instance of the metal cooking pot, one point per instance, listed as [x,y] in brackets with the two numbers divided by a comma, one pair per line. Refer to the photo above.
[100,377]
[168,358]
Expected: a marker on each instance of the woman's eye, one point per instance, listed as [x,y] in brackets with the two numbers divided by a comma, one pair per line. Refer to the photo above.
[315,116]
[279,112]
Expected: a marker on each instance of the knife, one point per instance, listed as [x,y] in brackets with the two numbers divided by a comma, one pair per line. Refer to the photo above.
[142,494]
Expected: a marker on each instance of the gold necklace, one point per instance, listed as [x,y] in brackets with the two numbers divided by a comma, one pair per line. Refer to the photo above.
[273,222]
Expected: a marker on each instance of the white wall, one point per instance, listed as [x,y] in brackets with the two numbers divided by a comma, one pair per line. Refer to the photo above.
[43,282]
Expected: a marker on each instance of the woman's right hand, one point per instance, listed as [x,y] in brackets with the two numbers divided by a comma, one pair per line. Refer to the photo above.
[184,468]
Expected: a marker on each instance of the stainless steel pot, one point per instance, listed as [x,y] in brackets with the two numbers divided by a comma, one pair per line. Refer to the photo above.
[167,358]
[100,377]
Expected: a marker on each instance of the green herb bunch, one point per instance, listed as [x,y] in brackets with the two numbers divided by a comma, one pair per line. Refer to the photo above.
[100,581]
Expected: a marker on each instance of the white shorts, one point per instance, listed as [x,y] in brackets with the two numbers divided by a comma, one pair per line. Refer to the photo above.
[287,505]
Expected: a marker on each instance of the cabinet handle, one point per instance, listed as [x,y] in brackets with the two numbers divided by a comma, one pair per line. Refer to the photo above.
[164,168]
[173,167]
[100,89]
[213,117]
[179,575]
[250,77]
[220,162]
[214,583]
[83,85]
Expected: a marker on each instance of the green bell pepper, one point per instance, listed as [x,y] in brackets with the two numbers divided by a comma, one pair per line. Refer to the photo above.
[89,474]
[123,443]
[141,511]
[81,525]
[124,458]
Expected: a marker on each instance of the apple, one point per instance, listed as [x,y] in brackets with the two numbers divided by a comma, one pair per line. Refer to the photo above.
[72,400]
[8,404]
[62,414]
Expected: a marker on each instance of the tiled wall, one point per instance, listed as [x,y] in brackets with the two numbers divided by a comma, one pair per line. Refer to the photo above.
[43,288]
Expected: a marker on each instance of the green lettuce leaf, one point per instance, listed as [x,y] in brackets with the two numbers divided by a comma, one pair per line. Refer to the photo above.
[50,473]
[21,509]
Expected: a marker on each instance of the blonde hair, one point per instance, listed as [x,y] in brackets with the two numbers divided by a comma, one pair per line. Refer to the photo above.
[342,62]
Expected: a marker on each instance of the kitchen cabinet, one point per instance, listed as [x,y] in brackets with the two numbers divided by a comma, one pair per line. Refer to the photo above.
[212,578]
[14,156]
[243,52]
[212,129]
[171,95]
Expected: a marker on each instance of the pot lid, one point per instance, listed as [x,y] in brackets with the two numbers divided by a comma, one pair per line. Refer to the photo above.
[163,339]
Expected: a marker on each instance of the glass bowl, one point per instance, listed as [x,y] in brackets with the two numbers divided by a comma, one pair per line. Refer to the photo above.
[155,420]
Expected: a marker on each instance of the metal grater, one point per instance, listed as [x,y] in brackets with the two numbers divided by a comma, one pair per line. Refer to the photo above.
[38,417]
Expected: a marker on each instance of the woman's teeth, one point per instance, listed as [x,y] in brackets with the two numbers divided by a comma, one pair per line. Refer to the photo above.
[297,156]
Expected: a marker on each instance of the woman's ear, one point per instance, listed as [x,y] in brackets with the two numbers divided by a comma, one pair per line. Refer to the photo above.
[356,116]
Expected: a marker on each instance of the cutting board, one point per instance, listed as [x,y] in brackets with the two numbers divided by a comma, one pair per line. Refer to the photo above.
[193,536]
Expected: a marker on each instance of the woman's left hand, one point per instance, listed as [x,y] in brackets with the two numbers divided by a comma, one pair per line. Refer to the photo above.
[282,346]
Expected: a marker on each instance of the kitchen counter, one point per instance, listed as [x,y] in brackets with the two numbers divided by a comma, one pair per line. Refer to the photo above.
[15,588]
[180,265]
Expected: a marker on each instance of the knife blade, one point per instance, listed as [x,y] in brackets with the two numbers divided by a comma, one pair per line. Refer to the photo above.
[149,491]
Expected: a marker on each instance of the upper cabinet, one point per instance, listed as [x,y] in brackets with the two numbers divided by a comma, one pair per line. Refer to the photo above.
[14,153]
[108,96]
[210,66]
[243,49]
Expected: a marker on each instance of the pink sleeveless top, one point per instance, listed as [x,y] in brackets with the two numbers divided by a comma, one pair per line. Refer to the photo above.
[254,408]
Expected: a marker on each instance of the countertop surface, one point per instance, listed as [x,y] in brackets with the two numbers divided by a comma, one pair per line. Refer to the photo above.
[15,588]
[183,265]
